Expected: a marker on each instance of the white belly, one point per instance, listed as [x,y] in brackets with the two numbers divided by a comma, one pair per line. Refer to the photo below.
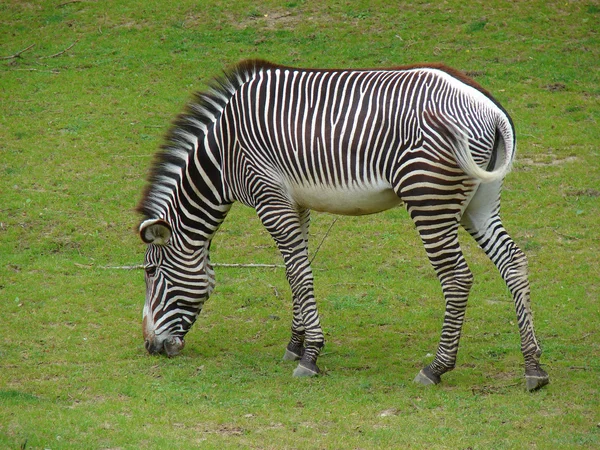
[351,201]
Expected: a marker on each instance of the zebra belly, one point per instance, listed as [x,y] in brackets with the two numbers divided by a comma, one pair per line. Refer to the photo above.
[346,200]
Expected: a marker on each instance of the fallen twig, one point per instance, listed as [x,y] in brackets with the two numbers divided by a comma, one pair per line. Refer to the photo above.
[234,265]
[141,266]
[585,336]
[323,240]
[566,236]
[68,3]
[30,69]
[18,54]
[282,16]
[268,266]
[61,52]
[275,291]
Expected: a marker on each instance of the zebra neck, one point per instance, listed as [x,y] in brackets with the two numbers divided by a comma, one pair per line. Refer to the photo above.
[198,205]
[186,182]
[186,189]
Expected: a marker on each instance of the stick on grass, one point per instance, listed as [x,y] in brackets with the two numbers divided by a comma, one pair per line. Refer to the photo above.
[61,52]
[235,265]
[18,54]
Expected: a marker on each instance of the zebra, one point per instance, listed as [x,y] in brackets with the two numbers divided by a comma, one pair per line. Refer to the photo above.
[285,141]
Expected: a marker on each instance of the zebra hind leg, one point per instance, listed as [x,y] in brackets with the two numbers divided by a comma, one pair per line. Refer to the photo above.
[443,250]
[512,265]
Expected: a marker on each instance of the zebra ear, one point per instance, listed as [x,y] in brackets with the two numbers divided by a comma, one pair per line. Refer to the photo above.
[155,231]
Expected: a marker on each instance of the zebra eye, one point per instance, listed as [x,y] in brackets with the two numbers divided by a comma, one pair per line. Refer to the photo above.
[150,271]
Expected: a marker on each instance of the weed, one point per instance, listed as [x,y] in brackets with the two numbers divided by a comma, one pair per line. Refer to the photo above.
[476,26]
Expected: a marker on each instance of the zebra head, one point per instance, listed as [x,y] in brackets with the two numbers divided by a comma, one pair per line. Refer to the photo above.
[179,279]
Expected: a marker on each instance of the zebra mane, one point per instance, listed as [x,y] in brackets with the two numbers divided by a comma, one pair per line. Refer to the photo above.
[189,129]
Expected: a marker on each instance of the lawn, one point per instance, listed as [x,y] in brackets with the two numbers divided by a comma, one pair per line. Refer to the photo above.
[87,91]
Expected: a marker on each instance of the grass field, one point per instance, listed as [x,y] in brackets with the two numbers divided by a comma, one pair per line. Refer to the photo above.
[85,108]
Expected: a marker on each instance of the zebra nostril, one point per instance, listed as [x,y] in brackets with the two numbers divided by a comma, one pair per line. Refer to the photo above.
[149,347]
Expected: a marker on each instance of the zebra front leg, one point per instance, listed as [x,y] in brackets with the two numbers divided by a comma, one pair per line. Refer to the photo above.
[306,324]
[295,349]
[456,279]
[285,224]
[313,334]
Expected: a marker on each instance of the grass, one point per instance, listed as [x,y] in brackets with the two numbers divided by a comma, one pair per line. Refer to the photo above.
[77,134]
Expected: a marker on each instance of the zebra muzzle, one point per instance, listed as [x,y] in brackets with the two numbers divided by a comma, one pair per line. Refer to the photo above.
[170,346]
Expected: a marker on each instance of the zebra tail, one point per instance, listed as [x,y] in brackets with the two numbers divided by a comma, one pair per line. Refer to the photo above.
[503,151]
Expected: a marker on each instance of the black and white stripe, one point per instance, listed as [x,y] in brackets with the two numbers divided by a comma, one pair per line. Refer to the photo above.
[285,141]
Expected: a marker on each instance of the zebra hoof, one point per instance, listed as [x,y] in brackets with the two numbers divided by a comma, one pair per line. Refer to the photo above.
[537,379]
[427,378]
[291,356]
[304,371]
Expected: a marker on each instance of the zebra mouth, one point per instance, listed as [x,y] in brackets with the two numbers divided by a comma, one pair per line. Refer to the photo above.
[171,346]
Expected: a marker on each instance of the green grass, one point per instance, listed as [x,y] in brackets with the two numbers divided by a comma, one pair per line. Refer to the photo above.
[77,134]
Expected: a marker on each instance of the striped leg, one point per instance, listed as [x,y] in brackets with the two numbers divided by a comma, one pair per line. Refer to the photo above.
[491,236]
[295,348]
[443,250]
[285,224]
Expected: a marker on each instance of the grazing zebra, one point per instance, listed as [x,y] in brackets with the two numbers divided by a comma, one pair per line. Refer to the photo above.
[284,141]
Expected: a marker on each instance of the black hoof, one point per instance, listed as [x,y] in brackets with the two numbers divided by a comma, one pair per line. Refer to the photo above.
[306,369]
[293,352]
[290,355]
[426,377]
[535,379]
